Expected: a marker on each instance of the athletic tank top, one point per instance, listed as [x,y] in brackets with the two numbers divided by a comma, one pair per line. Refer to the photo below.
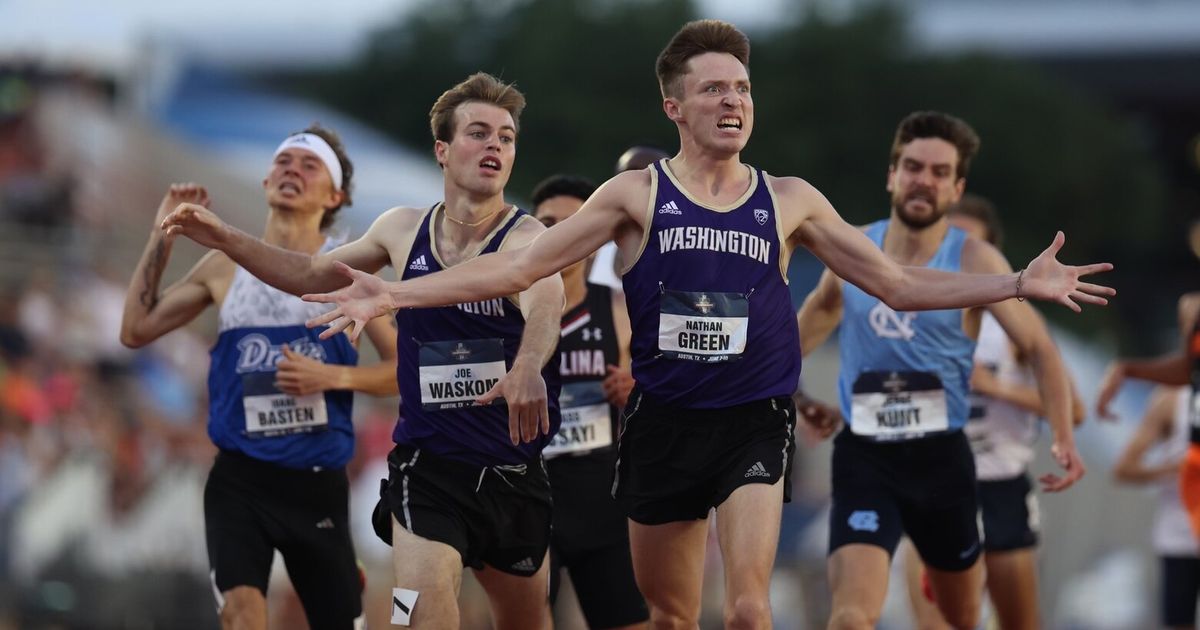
[1173,534]
[1001,433]
[448,356]
[713,323]
[1193,353]
[904,375]
[247,412]
[587,348]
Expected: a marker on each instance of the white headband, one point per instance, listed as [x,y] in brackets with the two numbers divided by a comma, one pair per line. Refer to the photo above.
[317,145]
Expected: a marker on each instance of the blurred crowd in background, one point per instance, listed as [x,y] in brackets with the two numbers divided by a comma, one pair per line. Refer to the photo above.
[103,450]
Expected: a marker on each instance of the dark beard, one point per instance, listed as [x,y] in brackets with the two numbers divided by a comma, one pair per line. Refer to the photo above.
[918,223]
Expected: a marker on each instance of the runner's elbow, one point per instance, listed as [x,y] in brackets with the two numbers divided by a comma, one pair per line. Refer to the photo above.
[522,274]
[131,338]
[894,291]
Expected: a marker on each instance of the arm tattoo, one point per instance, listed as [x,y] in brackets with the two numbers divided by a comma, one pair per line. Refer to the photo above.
[152,274]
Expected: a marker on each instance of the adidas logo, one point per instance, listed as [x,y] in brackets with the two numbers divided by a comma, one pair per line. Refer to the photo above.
[419,264]
[758,470]
[669,208]
[325,523]
[525,565]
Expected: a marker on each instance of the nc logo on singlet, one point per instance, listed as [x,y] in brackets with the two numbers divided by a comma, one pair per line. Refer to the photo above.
[257,354]
[889,324]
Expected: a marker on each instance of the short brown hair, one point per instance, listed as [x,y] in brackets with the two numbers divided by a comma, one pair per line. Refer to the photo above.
[982,210]
[481,87]
[335,142]
[938,125]
[694,39]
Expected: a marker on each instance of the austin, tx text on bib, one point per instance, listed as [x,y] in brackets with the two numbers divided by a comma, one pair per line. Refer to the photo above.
[703,326]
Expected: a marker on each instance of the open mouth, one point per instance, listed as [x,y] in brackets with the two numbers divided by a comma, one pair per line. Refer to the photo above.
[729,122]
[289,187]
[490,162]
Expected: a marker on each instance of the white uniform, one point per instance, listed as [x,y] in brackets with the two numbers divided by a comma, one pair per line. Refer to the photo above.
[1001,433]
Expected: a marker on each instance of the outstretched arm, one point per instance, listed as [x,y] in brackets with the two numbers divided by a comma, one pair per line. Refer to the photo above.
[294,272]
[853,257]
[1156,426]
[502,273]
[149,313]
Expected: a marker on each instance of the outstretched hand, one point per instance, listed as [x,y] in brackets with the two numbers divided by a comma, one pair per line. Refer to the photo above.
[193,220]
[366,298]
[1048,279]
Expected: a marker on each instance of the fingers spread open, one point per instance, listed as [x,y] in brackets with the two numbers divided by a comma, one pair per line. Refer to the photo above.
[324,318]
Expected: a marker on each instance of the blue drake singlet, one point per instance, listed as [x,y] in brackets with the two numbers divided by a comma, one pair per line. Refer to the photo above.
[247,413]
[713,323]
[450,355]
[904,375]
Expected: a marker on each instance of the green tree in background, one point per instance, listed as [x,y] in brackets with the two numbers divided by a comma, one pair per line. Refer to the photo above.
[828,97]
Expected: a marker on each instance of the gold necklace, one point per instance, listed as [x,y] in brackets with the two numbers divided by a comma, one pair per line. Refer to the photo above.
[475,224]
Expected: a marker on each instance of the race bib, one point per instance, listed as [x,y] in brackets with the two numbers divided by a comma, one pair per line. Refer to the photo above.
[703,326]
[586,423]
[455,373]
[898,405]
[270,412]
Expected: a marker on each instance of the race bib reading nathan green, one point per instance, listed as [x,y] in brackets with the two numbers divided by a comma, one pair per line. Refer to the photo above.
[703,326]
[898,405]
[454,373]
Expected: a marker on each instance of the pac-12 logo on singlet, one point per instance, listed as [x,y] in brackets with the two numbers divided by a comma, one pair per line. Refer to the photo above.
[889,324]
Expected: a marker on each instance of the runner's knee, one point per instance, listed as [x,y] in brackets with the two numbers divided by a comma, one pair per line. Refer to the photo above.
[748,612]
[852,617]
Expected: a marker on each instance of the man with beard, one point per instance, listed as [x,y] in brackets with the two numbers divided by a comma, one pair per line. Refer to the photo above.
[704,241]
[904,464]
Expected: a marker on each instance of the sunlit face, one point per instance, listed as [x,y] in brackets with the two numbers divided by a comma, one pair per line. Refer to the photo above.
[970,225]
[715,105]
[924,181]
[557,209]
[299,180]
[480,155]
